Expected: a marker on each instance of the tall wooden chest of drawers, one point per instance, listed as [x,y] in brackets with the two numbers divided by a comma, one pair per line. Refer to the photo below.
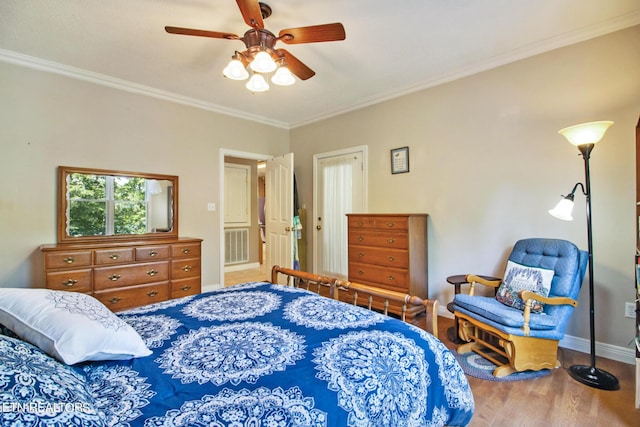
[126,275]
[390,251]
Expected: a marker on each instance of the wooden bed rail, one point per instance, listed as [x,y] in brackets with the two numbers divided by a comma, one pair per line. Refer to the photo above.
[359,294]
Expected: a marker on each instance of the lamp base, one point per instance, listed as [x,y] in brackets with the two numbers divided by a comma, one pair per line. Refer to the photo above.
[594,377]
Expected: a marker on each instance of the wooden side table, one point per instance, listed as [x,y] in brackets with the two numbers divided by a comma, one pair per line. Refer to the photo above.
[457,281]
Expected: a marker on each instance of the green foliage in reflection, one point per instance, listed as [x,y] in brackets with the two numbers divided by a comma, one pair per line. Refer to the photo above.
[91,206]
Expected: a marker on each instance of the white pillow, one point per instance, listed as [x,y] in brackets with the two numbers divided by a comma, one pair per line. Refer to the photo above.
[70,326]
[518,278]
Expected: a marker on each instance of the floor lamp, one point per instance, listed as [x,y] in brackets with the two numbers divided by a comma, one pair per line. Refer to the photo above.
[585,136]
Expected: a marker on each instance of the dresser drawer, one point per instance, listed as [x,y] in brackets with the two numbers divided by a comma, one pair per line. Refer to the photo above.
[150,253]
[127,275]
[113,256]
[67,259]
[356,222]
[134,296]
[184,268]
[381,239]
[72,280]
[392,278]
[392,223]
[184,287]
[398,258]
[184,250]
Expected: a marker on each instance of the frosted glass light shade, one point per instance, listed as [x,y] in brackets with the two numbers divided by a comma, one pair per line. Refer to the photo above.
[235,70]
[263,63]
[585,133]
[257,83]
[563,209]
[283,77]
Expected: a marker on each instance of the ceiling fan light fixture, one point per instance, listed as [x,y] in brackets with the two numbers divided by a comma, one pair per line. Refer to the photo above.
[263,63]
[283,77]
[257,83]
[235,70]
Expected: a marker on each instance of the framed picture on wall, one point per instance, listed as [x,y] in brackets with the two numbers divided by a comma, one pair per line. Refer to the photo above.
[400,160]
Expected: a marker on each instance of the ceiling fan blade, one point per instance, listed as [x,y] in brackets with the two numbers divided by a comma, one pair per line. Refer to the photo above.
[313,34]
[201,33]
[296,66]
[251,13]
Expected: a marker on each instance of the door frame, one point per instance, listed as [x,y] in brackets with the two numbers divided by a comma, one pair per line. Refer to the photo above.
[365,188]
[226,152]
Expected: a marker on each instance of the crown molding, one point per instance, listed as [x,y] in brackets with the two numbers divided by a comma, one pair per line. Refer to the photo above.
[127,86]
[547,45]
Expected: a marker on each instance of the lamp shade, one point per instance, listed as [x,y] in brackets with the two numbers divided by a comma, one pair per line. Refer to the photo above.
[235,70]
[283,77]
[585,133]
[257,83]
[263,63]
[563,209]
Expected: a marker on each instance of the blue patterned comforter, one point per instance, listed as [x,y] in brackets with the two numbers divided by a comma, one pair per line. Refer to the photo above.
[259,354]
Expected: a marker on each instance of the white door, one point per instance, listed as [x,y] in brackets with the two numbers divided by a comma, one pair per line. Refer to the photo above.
[339,188]
[279,211]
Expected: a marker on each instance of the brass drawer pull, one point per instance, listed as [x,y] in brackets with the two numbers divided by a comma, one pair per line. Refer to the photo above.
[390,277]
[360,272]
[114,277]
[390,258]
[186,287]
[186,250]
[187,268]
[390,224]
[390,240]
[114,300]
[69,282]
[153,253]
[152,272]
[360,238]
[360,223]
[360,254]
[69,260]
[152,293]
[114,256]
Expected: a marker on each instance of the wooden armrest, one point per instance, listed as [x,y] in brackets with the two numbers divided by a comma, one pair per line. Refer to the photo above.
[527,295]
[472,278]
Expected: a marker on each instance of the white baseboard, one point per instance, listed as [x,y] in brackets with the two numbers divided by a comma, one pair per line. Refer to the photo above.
[240,267]
[608,351]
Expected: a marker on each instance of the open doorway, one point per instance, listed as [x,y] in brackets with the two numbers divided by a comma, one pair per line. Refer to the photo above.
[241,249]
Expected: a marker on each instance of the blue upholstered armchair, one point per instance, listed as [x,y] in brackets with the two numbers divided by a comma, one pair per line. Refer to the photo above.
[519,329]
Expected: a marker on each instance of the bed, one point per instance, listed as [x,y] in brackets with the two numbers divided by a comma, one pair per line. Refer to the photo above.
[254,354]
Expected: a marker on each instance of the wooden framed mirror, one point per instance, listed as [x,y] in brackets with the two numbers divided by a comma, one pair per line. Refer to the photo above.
[96,205]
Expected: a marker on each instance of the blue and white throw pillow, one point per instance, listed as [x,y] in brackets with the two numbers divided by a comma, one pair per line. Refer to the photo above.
[36,390]
[518,278]
[70,326]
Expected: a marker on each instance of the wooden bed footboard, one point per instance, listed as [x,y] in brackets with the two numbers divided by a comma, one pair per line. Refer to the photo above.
[359,294]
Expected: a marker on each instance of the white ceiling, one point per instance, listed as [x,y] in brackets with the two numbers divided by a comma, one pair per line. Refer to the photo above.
[392,47]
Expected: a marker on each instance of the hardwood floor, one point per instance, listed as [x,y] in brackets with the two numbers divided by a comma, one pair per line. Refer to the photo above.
[554,400]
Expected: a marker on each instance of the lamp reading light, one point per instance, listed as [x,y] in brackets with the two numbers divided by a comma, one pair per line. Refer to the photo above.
[585,136]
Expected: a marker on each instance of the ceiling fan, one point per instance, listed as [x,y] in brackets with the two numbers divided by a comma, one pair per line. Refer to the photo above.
[261,55]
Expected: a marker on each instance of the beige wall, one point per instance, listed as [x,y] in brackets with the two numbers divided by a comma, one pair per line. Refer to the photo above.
[486,162]
[48,120]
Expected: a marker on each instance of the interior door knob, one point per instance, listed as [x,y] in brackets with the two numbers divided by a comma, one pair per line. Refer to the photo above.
[318,227]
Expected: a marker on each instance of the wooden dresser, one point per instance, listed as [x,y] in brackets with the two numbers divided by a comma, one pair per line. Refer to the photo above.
[390,251]
[126,274]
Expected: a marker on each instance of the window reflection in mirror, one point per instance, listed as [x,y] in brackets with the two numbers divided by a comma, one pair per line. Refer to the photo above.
[100,204]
